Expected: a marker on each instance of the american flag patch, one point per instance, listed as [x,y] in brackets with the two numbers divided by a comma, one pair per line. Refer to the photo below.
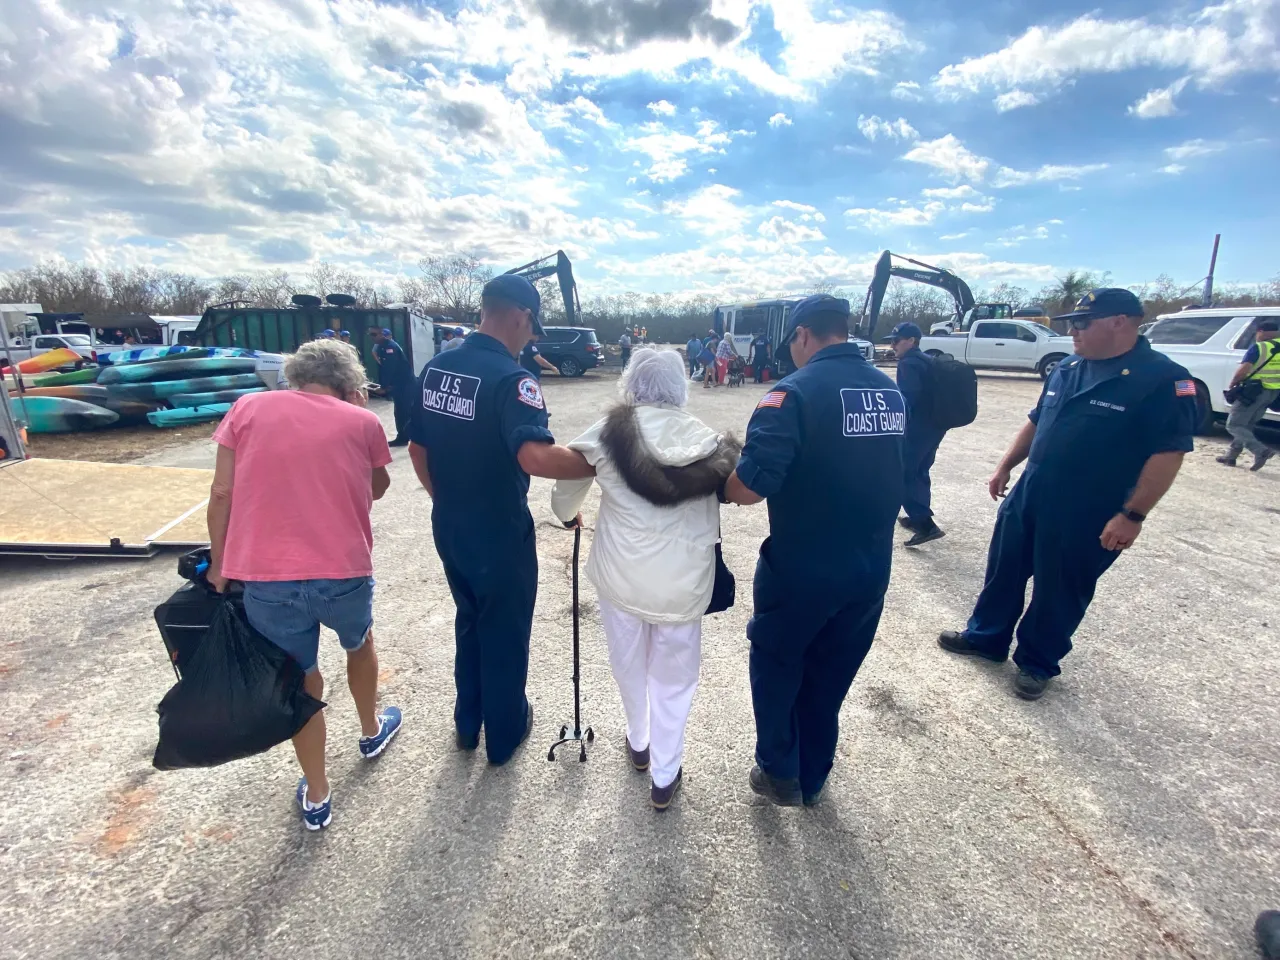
[772,399]
[1185,388]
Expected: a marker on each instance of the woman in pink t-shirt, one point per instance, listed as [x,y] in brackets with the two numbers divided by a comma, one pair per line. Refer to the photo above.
[297,473]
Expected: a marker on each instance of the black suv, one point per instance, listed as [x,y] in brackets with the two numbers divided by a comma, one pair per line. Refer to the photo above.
[573,350]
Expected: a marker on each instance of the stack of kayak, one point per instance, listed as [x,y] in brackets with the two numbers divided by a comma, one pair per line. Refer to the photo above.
[167,389]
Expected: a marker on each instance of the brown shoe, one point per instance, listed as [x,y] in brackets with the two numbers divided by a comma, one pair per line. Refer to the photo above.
[661,797]
[639,758]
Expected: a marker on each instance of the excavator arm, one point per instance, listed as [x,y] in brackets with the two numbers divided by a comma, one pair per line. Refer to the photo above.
[921,273]
[559,266]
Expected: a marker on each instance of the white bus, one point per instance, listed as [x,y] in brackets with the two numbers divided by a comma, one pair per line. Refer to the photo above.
[750,318]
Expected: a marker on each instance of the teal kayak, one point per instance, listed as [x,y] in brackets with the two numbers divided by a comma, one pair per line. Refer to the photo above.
[62,415]
[217,396]
[185,415]
[164,389]
[176,369]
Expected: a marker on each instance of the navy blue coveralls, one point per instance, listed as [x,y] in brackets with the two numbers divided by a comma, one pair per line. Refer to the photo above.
[1097,424]
[477,408]
[759,357]
[396,375]
[920,445]
[825,448]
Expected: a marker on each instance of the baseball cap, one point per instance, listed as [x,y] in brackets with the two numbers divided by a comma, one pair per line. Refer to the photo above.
[344,333]
[327,332]
[904,331]
[458,331]
[809,309]
[1106,302]
[519,291]
[1268,323]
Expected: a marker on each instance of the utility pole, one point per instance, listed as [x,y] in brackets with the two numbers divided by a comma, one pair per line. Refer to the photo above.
[1207,299]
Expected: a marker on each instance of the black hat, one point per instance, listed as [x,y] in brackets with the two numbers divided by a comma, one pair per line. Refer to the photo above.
[1107,302]
[519,291]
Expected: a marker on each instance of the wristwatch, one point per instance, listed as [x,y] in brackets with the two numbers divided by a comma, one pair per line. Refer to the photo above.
[1133,515]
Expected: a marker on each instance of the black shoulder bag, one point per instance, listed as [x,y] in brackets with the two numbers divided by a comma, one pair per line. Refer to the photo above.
[1250,388]
[725,588]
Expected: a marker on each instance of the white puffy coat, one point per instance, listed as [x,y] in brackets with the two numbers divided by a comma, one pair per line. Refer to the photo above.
[655,562]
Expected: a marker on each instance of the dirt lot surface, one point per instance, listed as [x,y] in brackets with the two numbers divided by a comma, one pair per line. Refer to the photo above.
[1131,813]
[115,444]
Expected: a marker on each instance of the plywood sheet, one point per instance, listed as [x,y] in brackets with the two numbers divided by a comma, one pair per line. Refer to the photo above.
[75,503]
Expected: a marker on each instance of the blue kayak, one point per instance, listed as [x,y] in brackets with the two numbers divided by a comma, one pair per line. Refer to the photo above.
[215,397]
[185,415]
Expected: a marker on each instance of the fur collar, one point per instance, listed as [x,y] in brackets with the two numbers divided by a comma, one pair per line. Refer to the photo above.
[662,485]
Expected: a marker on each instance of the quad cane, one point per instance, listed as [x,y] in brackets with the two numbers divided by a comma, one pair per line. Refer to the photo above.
[580,736]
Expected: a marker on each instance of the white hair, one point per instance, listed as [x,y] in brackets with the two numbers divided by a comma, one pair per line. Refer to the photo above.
[327,363]
[655,376]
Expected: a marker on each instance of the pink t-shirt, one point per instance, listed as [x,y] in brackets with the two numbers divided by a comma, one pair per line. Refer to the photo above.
[303,487]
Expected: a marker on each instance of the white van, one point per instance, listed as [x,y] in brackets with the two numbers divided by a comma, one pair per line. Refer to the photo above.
[1210,343]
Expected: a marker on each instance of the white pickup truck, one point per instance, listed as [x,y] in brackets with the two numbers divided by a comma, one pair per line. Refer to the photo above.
[25,347]
[1004,345]
[1211,344]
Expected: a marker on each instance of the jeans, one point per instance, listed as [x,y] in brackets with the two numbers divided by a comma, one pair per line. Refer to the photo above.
[1241,421]
[289,613]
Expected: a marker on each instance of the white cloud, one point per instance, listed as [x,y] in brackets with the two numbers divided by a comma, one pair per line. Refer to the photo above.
[662,108]
[1015,99]
[779,120]
[851,41]
[806,212]
[788,231]
[949,157]
[1194,148]
[1049,173]
[907,90]
[1223,39]
[668,148]
[986,207]
[874,218]
[710,210]
[1173,169]
[873,128]
[569,116]
[954,236]
[950,193]
[1159,103]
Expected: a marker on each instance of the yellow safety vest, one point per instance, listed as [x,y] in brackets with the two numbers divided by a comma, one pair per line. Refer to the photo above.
[1267,372]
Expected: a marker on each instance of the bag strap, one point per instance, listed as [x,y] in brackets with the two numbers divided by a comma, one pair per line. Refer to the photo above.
[1275,352]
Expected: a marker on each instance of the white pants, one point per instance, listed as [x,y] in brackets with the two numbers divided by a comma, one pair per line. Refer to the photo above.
[656,668]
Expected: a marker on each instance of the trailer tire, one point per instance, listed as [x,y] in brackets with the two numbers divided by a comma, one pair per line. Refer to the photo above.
[1049,364]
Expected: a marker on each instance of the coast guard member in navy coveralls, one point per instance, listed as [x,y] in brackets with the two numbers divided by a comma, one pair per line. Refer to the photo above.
[479,430]
[1103,444]
[395,375]
[824,447]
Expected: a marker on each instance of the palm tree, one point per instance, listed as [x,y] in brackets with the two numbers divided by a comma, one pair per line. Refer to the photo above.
[1072,285]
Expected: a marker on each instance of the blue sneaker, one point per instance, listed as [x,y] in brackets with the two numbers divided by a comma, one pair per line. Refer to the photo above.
[314,815]
[370,747]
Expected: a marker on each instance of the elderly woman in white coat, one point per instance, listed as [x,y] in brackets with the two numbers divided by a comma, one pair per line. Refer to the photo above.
[653,558]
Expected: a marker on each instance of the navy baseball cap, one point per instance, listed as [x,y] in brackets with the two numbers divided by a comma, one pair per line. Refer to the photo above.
[1106,302]
[1268,324]
[809,309]
[519,291]
[458,331]
[327,332]
[344,333]
[904,331]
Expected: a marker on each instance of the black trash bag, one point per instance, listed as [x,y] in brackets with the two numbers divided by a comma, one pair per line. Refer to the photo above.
[239,695]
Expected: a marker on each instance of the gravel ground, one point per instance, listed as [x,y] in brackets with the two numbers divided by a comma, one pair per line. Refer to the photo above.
[1132,813]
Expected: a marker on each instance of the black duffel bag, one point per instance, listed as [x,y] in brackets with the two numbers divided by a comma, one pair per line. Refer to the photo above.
[239,695]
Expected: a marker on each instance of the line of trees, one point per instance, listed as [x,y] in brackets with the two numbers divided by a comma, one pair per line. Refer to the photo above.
[449,287]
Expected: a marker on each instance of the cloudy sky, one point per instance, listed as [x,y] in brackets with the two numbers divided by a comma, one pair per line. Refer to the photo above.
[742,146]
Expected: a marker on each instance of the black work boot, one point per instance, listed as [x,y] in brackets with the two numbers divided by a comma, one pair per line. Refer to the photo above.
[1227,459]
[1267,930]
[815,798]
[1260,458]
[907,522]
[1029,685]
[956,642]
[925,533]
[784,793]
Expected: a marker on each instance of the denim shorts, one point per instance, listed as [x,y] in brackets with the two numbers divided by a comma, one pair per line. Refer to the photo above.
[290,613]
